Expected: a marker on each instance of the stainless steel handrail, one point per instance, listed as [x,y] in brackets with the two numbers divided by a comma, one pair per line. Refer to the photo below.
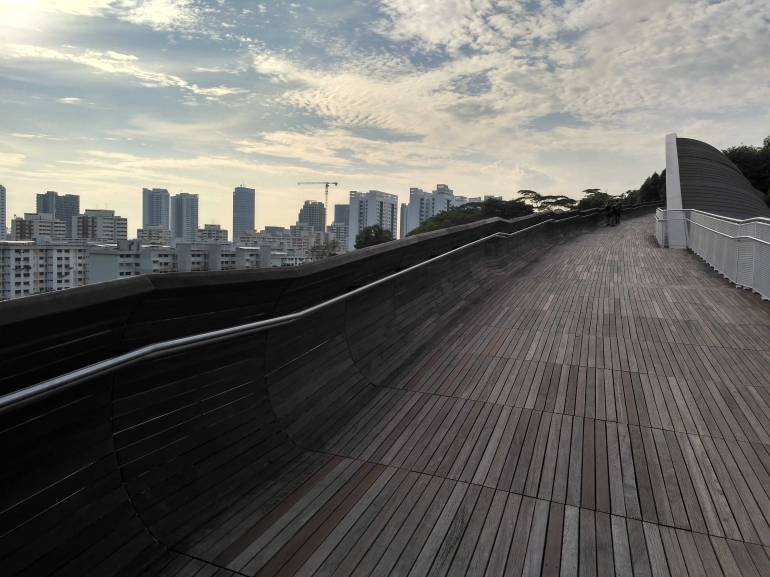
[155,350]
[752,219]
[716,231]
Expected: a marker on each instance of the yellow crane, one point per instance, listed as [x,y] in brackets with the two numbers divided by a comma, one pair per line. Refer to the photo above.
[326,198]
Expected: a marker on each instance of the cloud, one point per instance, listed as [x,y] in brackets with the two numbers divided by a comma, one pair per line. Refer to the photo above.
[489,95]
[75,7]
[110,62]
[162,14]
[9,159]
[69,100]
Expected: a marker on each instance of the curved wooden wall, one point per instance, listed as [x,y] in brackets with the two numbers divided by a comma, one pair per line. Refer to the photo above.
[712,183]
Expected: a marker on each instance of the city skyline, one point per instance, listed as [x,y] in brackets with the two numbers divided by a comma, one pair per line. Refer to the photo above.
[152,216]
[102,98]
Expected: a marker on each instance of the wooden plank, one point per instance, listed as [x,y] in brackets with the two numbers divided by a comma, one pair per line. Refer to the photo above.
[486,540]
[553,541]
[502,544]
[588,548]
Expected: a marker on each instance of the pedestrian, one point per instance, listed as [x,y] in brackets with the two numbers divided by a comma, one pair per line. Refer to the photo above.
[620,211]
[608,210]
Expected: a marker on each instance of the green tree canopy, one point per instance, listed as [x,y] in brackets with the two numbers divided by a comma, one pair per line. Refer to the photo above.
[546,202]
[327,249]
[474,211]
[753,162]
[372,235]
[595,198]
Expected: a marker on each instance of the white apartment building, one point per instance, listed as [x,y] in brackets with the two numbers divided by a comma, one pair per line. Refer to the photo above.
[341,232]
[423,205]
[403,220]
[35,225]
[184,217]
[155,208]
[129,258]
[100,225]
[212,233]
[153,235]
[370,208]
[276,243]
[27,268]
[3,220]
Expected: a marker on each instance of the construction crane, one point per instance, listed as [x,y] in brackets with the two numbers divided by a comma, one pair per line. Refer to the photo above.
[326,198]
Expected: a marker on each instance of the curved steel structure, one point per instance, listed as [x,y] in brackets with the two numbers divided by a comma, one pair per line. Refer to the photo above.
[700,177]
[168,456]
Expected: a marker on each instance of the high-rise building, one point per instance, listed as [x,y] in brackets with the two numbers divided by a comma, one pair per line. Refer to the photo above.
[313,213]
[370,208]
[423,205]
[35,225]
[402,221]
[342,213]
[184,217]
[100,225]
[212,233]
[2,212]
[62,207]
[243,211]
[155,207]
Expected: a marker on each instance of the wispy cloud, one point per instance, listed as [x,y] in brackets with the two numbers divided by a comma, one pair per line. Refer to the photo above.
[111,62]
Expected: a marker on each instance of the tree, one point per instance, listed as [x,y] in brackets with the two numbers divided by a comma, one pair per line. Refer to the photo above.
[494,207]
[753,162]
[534,198]
[545,202]
[373,235]
[327,249]
[558,202]
[595,198]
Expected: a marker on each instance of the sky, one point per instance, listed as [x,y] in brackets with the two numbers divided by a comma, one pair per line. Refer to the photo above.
[102,98]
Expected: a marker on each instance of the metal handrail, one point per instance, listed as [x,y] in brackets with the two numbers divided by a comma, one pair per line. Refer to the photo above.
[752,219]
[717,217]
[156,350]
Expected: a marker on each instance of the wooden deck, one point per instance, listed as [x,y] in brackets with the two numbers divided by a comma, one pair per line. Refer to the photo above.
[599,406]
[604,411]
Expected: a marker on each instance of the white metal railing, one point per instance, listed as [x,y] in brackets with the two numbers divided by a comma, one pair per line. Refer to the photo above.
[737,249]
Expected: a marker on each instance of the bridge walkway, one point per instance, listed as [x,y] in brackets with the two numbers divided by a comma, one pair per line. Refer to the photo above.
[604,411]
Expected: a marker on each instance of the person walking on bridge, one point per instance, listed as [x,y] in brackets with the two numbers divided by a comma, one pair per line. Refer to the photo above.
[617,209]
[608,210]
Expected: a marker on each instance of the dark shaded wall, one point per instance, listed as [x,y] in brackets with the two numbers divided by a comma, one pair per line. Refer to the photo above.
[711,183]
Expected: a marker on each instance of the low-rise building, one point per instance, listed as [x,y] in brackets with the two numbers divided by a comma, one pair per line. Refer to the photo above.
[340,231]
[35,225]
[27,268]
[100,225]
[153,235]
[212,233]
